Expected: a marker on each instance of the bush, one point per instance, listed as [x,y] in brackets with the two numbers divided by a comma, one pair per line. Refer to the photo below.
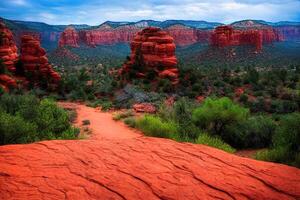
[181,114]
[122,115]
[215,115]
[154,126]
[24,119]
[51,118]
[216,142]
[286,145]
[255,132]
[130,121]
[14,129]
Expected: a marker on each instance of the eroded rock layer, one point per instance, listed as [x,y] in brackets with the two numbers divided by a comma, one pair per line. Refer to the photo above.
[8,48]
[106,35]
[228,36]
[34,59]
[119,163]
[152,51]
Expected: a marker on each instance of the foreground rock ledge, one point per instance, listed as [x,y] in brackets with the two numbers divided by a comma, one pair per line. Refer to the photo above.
[137,168]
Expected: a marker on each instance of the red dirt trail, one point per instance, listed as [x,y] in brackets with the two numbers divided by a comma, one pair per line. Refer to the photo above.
[119,163]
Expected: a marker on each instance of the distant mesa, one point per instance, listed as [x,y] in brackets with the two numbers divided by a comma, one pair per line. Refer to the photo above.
[152,55]
[224,36]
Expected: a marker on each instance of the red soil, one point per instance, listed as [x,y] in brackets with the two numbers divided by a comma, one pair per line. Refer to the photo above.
[119,163]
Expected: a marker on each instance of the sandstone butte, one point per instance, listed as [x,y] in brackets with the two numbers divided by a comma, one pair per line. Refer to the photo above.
[224,36]
[34,59]
[152,50]
[69,37]
[117,162]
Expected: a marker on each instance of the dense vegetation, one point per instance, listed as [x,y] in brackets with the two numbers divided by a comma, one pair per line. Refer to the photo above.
[223,124]
[25,119]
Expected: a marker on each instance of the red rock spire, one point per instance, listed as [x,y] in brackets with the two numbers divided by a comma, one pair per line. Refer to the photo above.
[153,50]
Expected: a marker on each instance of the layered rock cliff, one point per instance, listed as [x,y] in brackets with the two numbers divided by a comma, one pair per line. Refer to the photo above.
[229,36]
[289,32]
[106,35]
[152,51]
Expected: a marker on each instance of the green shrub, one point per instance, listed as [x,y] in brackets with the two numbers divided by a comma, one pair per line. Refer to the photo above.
[106,105]
[14,129]
[181,114]
[25,104]
[215,115]
[51,118]
[122,115]
[286,146]
[154,126]
[216,142]
[130,121]
[70,134]
[24,119]
[255,132]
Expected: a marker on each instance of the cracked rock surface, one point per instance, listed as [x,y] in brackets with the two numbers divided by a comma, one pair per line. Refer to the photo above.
[119,163]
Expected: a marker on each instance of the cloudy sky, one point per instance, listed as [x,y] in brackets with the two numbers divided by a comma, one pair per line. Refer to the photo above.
[94,12]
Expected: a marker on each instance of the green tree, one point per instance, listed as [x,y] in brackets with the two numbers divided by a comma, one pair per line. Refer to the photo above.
[217,114]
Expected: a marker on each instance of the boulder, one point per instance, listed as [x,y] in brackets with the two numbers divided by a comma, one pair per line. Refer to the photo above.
[144,108]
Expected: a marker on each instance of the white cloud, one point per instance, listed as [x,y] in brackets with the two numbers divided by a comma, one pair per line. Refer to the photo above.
[19,2]
[94,12]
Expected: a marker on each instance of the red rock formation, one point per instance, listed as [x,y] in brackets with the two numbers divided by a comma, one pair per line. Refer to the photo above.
[144,108]
[289,32]
[152,50]
[69,37]
[184,36]
[229,36]
[119,163]
[7,82]
[106,35]
[8,48]
[34,59]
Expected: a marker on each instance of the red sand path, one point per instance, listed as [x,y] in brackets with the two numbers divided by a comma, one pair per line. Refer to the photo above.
[119,163]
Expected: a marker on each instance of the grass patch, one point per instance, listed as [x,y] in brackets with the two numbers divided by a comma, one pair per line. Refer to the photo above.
[122,115]
[130,121]
[154,126]
[214,142]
